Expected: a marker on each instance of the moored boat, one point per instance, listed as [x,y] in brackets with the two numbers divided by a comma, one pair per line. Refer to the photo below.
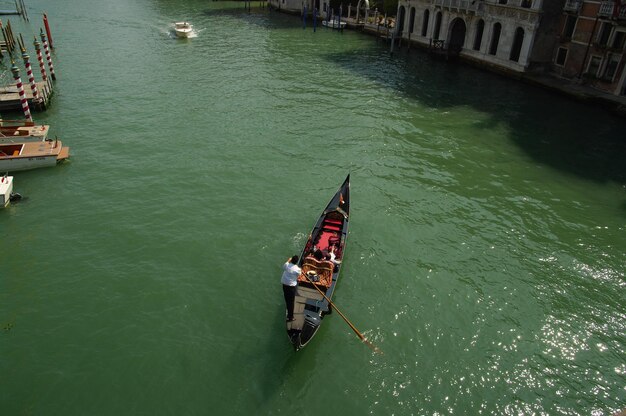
[183,29]
[31,155]
[334,24]
[12,131]
[328,238]
[6,190]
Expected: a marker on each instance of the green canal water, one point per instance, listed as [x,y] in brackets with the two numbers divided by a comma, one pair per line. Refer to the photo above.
[486,253]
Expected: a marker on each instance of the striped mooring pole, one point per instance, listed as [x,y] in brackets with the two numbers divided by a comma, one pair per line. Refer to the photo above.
[47,52]
[20,90]
[29,72]
[42,68]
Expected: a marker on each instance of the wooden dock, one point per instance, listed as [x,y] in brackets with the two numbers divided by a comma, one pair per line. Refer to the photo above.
[10,98]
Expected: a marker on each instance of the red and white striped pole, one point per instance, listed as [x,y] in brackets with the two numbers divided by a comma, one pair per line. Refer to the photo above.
[20,90]
[45,23]
[31,78]
[42,68]
[47,52]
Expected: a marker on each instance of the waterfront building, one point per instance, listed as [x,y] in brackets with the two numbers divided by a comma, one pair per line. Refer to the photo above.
[296,6]
[591,45]
[513,36]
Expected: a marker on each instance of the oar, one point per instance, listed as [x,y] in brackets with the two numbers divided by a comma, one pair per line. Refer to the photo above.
[356,331]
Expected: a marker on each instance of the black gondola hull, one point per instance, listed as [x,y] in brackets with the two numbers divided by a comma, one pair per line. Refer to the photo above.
[329,236]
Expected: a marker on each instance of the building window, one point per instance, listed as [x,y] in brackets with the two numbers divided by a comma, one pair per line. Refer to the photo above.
[618,40]
[412,20]
[495,39]
[527,4]
[604,34]
[594,65]
[425,22]
[611,67]
[570,24]
[437,26]
[516,48]
[480,28]
[560,56]
[502,1]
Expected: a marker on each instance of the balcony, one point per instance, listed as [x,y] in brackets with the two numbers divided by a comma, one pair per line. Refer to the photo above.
[510,10]
[573,6]
[466,6]
[607,9]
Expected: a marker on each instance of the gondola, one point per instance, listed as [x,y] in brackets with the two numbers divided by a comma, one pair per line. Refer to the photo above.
[328,236]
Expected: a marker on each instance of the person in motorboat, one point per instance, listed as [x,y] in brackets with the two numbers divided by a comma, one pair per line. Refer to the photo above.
[289,280]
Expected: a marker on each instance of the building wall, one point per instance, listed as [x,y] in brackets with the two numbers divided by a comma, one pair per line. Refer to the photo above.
[537,46]
[295,6]
[595,51]
[546,35]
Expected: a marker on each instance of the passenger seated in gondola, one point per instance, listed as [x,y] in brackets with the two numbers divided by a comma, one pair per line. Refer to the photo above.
[318,254]
[331,256]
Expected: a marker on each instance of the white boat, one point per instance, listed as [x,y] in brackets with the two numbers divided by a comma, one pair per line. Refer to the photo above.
[183,29]
[334,24]
[31,155]
[6,189]
[17,131]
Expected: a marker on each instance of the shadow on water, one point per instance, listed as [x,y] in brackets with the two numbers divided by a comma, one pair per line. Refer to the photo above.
[262,371]
[545,125]
[262,17]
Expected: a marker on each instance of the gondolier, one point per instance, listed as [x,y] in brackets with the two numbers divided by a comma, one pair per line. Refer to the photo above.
[290,283]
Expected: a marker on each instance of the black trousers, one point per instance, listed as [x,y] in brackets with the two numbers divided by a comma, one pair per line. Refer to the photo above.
[290,297]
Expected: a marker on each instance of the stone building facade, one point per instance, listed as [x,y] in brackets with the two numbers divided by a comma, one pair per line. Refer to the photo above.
[513,36]
[592,41]
[296,6]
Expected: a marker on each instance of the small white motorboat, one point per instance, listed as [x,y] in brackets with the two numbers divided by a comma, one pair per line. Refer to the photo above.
[183,29]
[31,155]
[6,190]
[334,24]
[12,131]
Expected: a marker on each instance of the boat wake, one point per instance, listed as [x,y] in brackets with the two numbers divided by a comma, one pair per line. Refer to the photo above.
[298,241]
[193,34]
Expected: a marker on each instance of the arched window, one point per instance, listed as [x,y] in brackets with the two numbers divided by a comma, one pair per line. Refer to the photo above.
[437,26]
[516,48]
[412,20]
[425,22]
[495,39]
[478,39]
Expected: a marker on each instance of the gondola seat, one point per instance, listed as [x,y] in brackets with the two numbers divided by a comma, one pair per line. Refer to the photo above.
[323,268]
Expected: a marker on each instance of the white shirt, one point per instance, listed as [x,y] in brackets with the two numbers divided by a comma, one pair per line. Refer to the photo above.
[290,274]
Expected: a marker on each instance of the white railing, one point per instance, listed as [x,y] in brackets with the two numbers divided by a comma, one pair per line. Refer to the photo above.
[466,5]
[572,5]
[473,5]
[607,8]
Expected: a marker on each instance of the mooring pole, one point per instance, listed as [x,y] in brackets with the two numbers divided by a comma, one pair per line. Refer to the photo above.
[314,19]
[45,23]
[340,7]
[304,17]
[24,11]
[20,90]
[47,52]
[29,74]
[42,68]
[9,31]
